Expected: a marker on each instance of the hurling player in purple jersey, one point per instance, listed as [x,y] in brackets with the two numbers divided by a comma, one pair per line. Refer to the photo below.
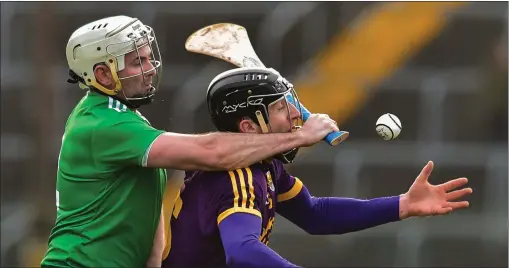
[225,218]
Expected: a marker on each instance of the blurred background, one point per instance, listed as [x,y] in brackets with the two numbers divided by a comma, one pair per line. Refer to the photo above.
[441,67]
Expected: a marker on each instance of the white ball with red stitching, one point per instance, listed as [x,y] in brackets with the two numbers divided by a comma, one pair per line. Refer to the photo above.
[388,126]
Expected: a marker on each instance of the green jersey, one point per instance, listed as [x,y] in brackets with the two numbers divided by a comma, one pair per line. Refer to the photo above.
[108,201]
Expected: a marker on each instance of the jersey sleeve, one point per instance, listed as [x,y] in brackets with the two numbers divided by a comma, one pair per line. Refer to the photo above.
[288,186]
[124,141]
[242,190]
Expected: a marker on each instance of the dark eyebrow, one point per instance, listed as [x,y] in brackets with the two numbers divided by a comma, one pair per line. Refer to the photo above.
[141,58]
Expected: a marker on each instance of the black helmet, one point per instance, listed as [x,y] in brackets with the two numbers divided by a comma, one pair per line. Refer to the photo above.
[248,92]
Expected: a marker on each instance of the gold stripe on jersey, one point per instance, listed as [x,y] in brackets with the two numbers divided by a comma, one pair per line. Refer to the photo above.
[297,186]
[235,191]
[171,195]
[178,206]
[243,189]
[230,211]
[251,188]
[267,230]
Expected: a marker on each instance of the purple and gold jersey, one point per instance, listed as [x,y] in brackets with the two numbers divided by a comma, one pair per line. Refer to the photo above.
[207,198]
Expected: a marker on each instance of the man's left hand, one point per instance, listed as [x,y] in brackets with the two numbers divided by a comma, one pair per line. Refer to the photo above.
[425,199]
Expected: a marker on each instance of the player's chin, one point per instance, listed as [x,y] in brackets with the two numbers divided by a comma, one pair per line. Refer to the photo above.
[150,90]
[142,95]
[147,91]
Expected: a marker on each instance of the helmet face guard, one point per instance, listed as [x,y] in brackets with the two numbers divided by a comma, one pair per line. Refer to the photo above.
[250,92]
[288,156]
[139,39]
[262,114]
[107,42]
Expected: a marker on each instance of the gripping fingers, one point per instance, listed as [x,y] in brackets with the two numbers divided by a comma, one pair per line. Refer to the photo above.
[333,123]
[334,126]
[330,122]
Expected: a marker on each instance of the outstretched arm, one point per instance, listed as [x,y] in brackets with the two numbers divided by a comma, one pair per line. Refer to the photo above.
[335,215]
[240,234]
[229,151]
[218,150]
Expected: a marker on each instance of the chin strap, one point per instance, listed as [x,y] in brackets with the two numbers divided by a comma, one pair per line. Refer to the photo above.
[137,102]
[75,78]
[286,157]
[261,121]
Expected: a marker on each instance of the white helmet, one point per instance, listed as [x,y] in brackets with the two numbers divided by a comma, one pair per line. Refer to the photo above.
[107,41]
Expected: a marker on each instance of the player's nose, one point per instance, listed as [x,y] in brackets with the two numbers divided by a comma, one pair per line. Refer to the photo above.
[294,112]
[150,68]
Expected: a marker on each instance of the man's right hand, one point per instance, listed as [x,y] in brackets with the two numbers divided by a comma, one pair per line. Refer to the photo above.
[316,127]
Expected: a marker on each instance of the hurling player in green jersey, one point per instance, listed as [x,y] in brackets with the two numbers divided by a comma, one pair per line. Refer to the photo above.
[111,168]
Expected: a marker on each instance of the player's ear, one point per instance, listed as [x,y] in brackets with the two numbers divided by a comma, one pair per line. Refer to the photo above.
[103,76]
[246,125]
